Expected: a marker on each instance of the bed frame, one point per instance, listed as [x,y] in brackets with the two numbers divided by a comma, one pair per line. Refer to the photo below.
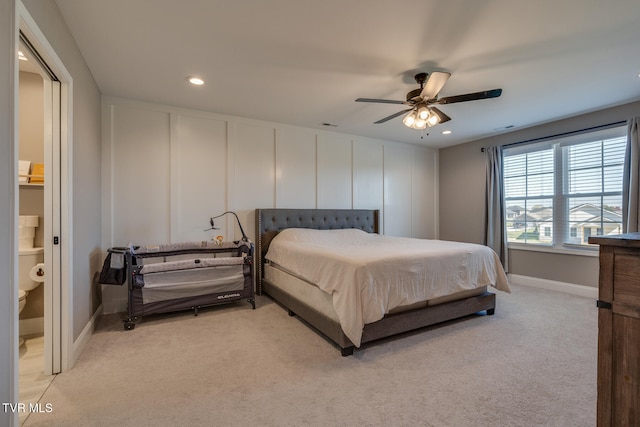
[270,221]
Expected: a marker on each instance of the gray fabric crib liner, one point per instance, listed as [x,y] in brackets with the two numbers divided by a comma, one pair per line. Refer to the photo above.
[164,248]
[189,264]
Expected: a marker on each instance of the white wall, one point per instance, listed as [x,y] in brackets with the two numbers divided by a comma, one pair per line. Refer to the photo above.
[167,170]
[8,212]
[82,160]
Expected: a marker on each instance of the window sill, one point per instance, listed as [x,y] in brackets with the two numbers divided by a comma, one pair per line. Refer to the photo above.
[589,252]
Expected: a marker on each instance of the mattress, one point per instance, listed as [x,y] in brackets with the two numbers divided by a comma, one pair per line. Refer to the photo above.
[367,275]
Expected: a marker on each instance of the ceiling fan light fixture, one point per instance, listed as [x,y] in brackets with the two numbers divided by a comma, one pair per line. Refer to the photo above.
[433,119]
[423,112]
[414,120]
[410,119]
[420,124]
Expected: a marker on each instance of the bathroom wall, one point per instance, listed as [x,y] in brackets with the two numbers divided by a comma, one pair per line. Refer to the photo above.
[31,147]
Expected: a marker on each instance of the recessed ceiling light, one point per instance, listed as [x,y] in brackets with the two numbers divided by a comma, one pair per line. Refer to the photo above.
[196,81]
[446,132]
[21,56]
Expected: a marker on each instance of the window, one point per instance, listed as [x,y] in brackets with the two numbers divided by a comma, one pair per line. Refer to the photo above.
[560,192]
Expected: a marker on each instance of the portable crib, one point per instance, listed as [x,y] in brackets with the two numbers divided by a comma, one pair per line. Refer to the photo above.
[187,276]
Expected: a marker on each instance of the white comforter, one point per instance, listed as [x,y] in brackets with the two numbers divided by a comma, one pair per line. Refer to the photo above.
[369,274]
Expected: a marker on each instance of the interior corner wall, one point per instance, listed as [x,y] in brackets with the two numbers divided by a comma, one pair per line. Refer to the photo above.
[167,170]
[84,163]
[462,192]
[8,212]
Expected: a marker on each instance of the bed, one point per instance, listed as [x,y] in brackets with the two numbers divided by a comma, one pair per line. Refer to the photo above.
[342,283]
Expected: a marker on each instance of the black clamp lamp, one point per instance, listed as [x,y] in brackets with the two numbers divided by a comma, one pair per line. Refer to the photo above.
[213,227]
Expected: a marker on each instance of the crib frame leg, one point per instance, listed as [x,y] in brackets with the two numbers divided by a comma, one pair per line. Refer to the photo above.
[129,324]
[252,301]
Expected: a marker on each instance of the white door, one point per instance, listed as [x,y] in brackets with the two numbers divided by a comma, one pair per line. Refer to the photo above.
[52,253]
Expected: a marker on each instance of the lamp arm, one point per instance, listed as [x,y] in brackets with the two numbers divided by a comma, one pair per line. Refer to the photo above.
[244,236]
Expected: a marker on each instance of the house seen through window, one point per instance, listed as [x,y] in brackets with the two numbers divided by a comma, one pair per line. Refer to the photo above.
[560,192]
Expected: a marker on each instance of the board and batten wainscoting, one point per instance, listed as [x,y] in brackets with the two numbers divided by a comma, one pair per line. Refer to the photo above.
[167,170]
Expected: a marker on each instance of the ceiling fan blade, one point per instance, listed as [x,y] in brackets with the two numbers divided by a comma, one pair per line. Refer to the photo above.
[434,84]
[494,93]
[379,101]
[393,116]
[442,116]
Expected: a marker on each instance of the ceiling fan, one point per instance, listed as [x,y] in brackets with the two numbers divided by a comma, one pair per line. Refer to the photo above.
[422,113]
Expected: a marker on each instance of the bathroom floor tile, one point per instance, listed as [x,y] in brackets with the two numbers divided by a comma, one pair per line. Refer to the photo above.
[33,381]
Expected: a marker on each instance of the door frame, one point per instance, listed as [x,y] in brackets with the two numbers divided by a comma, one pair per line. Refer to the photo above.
[58,200]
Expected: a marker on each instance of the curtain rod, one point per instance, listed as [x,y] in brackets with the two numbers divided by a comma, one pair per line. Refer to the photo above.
[557,135]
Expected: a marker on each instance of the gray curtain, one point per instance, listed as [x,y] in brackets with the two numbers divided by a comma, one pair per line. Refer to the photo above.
[631,179]
[495,235]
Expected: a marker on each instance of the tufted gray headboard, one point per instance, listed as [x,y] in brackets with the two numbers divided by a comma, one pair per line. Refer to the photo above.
[269,222]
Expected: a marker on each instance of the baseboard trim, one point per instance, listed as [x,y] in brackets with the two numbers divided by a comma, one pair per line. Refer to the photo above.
[83,339]
[115,306]
[33,326]
[553,285]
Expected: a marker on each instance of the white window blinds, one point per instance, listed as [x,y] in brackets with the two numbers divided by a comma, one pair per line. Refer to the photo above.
[560,192]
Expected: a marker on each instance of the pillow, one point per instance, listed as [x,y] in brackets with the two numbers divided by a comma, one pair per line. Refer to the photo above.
[313,236]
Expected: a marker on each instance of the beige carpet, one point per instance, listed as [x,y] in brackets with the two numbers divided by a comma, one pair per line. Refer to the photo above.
[531,364]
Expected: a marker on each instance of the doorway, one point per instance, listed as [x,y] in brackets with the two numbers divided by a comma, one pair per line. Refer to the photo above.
[44,192]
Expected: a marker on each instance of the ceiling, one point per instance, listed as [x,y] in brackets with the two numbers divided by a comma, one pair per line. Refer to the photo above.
[305,62]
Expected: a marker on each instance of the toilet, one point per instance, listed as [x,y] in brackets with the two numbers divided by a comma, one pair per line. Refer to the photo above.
[30,260]
[30,272]
[22,299]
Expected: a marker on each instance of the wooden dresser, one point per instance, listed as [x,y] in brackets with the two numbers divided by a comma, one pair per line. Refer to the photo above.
[619,330]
